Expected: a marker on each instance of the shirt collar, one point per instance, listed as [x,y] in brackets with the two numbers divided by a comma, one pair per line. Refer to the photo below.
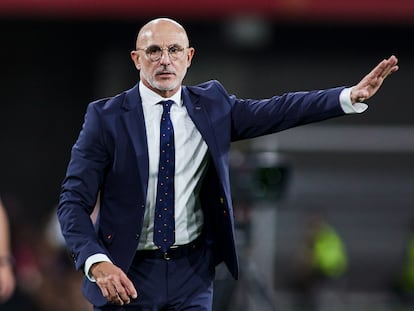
[150,97]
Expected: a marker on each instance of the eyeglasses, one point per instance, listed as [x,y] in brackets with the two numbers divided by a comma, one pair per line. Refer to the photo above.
[154,52]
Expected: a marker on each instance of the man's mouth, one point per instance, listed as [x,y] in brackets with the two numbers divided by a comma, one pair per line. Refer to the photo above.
[165,74]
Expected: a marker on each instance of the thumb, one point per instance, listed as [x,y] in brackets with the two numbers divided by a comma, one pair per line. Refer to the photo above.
[359,95]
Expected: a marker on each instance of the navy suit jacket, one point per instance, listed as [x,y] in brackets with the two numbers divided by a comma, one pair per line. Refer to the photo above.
[110,157]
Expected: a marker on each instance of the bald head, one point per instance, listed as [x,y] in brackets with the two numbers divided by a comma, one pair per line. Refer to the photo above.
[161,26]
[162,55]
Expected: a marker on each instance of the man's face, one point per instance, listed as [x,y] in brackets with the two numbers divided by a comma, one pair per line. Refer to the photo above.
[162,56]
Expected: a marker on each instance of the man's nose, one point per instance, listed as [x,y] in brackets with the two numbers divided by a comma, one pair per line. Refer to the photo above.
[165,57]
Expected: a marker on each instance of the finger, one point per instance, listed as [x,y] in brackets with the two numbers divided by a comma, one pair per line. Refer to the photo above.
[122,294]
[380,71]
[126,289]
[105,292]
[383,69]
[109,292]
[118,300]
[129,287]
[391,70]
[390,66]
[114,296]
[393,60]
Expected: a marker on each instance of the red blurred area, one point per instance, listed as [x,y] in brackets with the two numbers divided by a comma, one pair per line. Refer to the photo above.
[323,10]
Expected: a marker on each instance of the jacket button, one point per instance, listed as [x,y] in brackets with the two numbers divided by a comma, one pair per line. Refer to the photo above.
[137,236]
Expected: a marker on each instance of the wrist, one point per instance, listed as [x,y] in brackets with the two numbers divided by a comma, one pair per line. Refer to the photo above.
[92,269]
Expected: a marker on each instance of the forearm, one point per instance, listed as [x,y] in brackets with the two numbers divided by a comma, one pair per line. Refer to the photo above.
[78,231]
[7,280]
[5,250]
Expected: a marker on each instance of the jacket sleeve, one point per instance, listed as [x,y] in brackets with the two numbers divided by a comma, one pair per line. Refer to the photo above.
[80,188]
[251,118]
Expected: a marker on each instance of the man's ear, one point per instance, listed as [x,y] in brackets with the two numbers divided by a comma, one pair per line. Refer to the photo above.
[190,56]
[135,59]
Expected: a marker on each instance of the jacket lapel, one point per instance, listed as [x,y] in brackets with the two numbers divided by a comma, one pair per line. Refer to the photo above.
[198,113]
[135,126]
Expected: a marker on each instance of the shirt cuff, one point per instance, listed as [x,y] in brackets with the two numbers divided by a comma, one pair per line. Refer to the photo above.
[92,260]
[346,103]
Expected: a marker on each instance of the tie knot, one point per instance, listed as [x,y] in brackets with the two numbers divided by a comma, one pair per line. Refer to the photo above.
[166,104]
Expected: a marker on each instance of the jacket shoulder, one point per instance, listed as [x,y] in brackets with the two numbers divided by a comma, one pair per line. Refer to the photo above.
[209,87]
[116,102]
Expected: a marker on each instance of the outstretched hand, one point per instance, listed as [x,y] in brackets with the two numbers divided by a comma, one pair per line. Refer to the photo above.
[370,84]
[113,282]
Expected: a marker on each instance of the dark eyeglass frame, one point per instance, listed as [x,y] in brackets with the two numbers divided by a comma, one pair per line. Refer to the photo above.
[154,52]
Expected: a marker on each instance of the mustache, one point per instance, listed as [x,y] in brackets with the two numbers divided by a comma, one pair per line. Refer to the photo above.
[164,70]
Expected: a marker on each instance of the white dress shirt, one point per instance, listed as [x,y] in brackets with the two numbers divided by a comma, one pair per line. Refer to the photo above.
[191,150]
[190,164]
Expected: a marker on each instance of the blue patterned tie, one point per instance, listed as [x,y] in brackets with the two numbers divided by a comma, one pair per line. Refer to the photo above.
[164,225]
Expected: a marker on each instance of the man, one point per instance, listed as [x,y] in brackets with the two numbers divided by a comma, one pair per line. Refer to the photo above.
[131,261]
[7,280]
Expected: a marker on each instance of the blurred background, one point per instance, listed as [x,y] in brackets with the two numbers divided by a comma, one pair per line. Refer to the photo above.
[324,212]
